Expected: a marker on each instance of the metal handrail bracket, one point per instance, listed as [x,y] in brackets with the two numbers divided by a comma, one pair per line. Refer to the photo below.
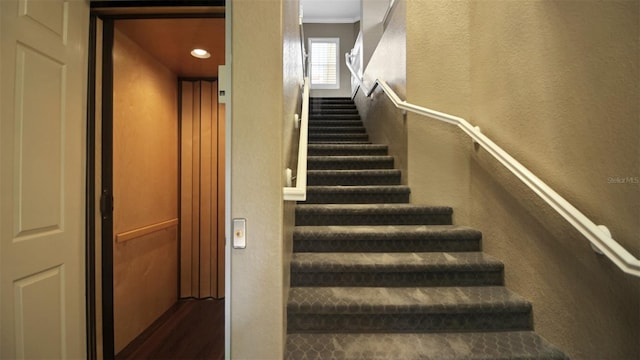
[598,235]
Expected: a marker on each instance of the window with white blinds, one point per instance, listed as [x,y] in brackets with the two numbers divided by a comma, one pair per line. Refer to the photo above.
[325,69]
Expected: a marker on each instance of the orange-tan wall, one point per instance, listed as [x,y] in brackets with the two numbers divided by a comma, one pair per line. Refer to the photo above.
[556,84]
[145,176]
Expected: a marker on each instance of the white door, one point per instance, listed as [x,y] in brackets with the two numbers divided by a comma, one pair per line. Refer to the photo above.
[43,56]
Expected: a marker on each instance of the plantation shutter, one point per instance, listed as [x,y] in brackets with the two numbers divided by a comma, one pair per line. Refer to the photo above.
[324,63]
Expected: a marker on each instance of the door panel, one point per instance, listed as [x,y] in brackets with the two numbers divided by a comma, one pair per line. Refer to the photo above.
[202,191]
[40,80]
[42,187]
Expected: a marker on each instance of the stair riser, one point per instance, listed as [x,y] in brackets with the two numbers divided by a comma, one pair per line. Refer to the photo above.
[333,110]
[345,142]
[356,198]
[461,346]
[335,164]
[347,152]
[335,130]
[333,98]
[334,101]
[335,123]
[310,244]
[396,279]
[334,117]
[339,102]
[412,322]
[319,219]
[338,137]
[324,108]
[336,179]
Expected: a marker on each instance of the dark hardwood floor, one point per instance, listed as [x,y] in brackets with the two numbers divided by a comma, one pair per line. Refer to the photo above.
[191,329]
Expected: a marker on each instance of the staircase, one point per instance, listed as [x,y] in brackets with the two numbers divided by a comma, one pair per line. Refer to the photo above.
[375,277]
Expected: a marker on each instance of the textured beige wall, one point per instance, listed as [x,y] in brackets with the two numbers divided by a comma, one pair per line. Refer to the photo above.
[347,39]
[371,25]
[556,83]
[384,123]
[145,174]
[262,112]
[291,81]
[438,78]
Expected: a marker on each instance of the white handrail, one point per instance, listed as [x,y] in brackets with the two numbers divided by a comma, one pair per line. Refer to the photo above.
[598,235]
[299,192]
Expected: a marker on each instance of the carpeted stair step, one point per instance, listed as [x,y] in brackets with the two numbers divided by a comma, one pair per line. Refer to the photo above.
[320,107]
[339,137]
[347,149]
[339,142]
[395,269]
[372,214]
[353,177]
[349,162]
[357,194]
[505,345]
[325,116]
[331,100]
[313,123]
[313,130]
[406,309]
[386,238]
[333,110]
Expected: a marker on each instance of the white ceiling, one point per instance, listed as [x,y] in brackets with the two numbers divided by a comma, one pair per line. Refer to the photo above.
[330,11]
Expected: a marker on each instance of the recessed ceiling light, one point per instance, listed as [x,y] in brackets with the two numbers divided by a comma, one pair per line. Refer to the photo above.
[200,53]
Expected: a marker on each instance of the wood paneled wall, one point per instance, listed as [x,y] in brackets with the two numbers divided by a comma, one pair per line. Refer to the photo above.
[202,191]
[145,186]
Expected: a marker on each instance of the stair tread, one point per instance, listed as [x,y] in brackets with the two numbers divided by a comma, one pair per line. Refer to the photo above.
[397,262]
[337,129]
[414,346]
[373,208]
[350,158]
[348,146]
[335,123]
[386,231]
[340,136]
[386,238]
[403,300]
[355,172]
[328,142]
[324,109]
[359,188]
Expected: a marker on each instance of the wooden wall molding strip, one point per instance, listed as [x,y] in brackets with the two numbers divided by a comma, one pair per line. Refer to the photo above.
[145,230]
